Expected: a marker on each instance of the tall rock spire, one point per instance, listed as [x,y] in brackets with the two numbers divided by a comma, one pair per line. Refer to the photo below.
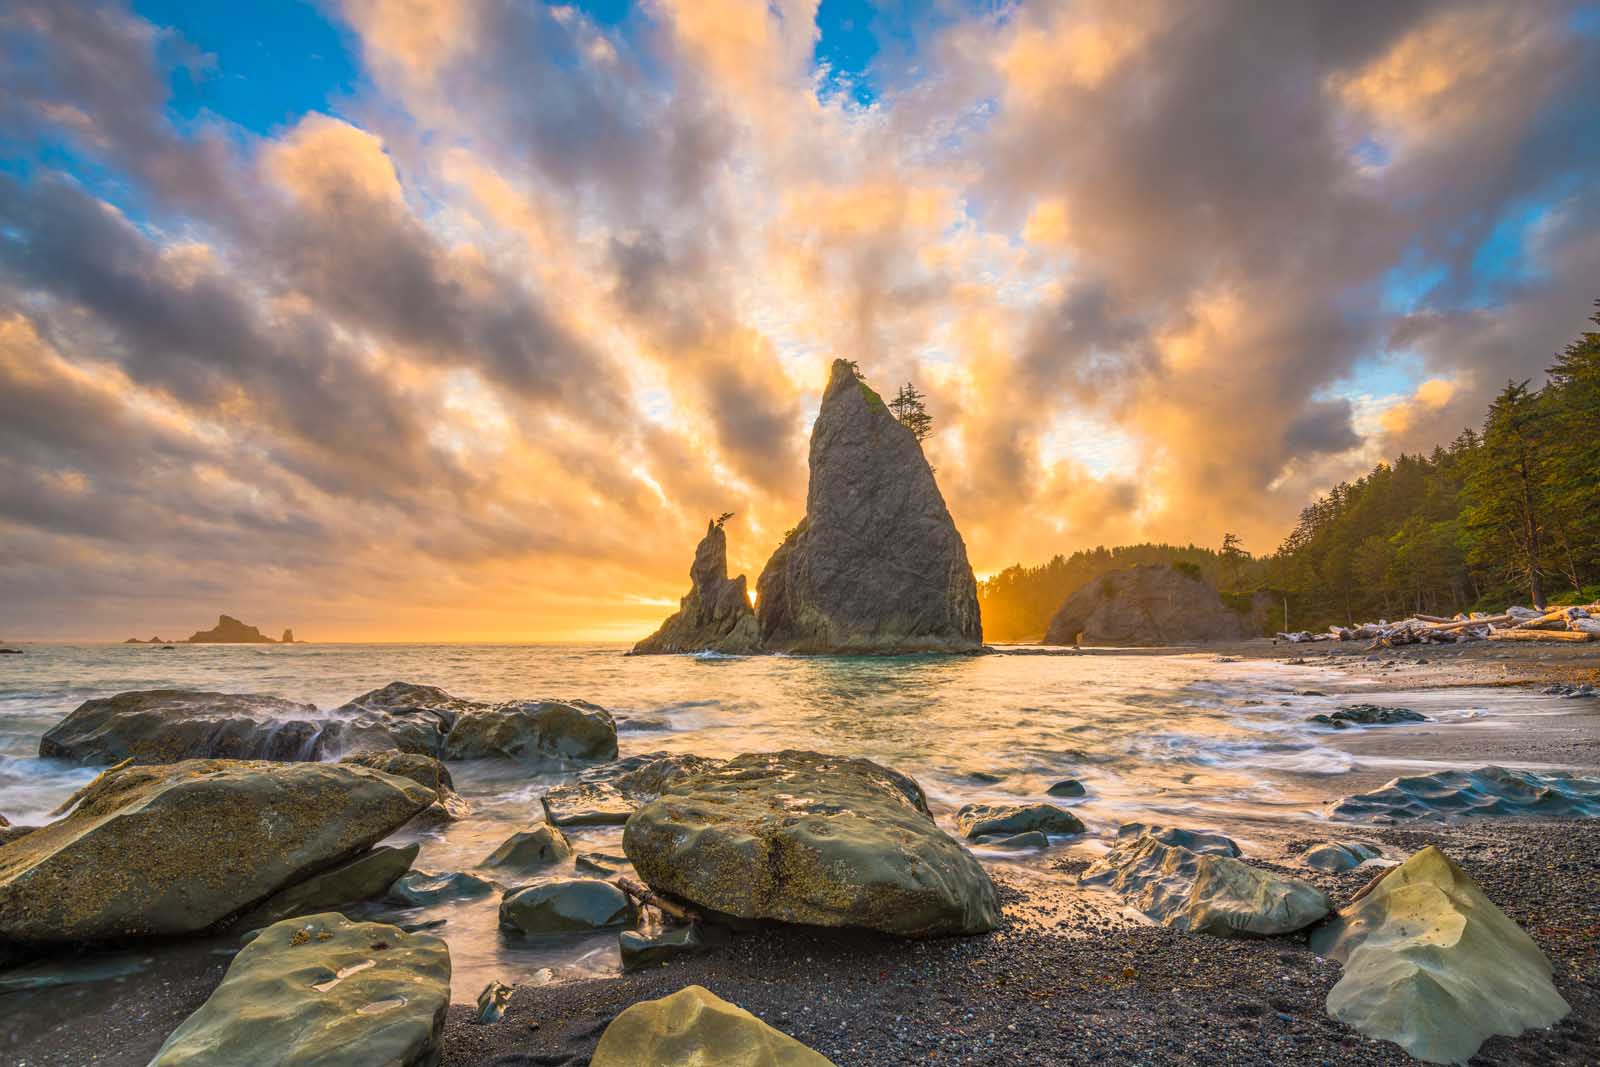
[877,564]
[715,615]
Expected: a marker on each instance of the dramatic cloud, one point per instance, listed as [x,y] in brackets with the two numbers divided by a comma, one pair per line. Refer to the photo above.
[472,342]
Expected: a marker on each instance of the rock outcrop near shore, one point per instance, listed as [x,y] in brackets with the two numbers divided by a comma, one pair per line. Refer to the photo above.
[168,725]
[876,565]
[1431,964]
[178,848]
[715,615]
[322,990]
[806,838]
[693,1027]
[1150,604]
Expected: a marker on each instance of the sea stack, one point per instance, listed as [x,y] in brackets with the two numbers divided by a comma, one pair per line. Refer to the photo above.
[876,565]
[230,630]
[716,615]
[1148,604]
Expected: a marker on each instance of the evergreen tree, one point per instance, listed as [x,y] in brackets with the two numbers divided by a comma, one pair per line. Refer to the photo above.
[1504,525]
[908,407]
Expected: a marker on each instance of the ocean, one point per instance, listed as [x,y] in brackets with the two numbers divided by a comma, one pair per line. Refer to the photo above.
[1196,739]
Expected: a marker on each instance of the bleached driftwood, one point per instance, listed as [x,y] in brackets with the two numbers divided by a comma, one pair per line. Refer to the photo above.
[1541,635]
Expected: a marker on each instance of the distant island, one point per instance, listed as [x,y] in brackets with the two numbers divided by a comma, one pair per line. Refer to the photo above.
[227,631]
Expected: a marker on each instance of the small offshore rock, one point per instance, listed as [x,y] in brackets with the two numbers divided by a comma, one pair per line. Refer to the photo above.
[1431,964]
[1067,787]
[320,990]
[695,1028]
[976,820]
[1367,715]
[419,889]
[492,1003]
[715,615]
[641,950]
[528,852]
[565,906]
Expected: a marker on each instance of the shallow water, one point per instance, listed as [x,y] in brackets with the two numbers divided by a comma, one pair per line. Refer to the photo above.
[1171,738]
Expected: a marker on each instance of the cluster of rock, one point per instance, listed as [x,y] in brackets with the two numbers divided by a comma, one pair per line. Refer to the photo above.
[1149,604]
[166,725]
[227,631]
[875,566]
[1367,715]
[1485,791]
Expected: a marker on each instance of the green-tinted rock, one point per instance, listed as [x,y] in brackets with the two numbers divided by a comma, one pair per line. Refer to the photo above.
[322,992]
[418,889]
[695,1028]
[641,950]
[587,804]
[976,820]
[1338,855]
[807,838]
[1431,964]
[565,906]
[177,848]
[362,878]
[534,730]
[424,770]
[528,852]
[1204,892]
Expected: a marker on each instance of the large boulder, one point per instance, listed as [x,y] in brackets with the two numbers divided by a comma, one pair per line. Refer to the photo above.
[1431,964]
[322,992]
[716,614]
[876,565]
[527,852]
[401,715]
[1150,604]
[1190,881]
[177,848]
[569,905]
[168,725]
[534,730]
[694,1027]
[979,820]
[806,838]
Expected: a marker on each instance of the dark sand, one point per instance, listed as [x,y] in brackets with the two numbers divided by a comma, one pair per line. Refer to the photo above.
[1069,978]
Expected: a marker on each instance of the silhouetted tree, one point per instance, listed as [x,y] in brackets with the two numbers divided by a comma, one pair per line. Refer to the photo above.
[908,407]
[724,517]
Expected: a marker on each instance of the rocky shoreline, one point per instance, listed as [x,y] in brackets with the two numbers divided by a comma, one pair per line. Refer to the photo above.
[1064,968]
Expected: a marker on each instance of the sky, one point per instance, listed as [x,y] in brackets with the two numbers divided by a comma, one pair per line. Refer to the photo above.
[427,320]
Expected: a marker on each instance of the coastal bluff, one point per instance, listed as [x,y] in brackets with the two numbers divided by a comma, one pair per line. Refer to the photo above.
[1150,604]
[876,565]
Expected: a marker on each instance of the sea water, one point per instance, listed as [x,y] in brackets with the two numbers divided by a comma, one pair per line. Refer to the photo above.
[1194,739]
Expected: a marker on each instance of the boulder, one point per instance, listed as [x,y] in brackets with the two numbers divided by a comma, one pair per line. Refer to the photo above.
[694,1027]
[565,906]
[716,615]
[322,991]
[876,565]
[401,715]
[640,950]
[230,630]
[534,730]
[608,794]
[177,848]
[1335,856]
[419,889]
[1485,791]
[1150,604]
[806,838]
[1367,715]
[528,852]
[168,725]
[1067,787]
[979,820]
[1206,891]
[587,804]
[361,878]
[1013,842]
[1431,964]
[425,771]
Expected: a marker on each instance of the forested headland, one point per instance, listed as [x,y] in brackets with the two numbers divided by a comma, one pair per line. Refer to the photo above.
[1506,513]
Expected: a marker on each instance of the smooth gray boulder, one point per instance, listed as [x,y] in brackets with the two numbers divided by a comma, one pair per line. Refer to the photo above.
[1485,791]
[1337,856]
[1205,891]
[1149,604]
[1067,787]
[534,730]
[587,804]
[418,889]
[169,725]
[979,820]
[640,950]
[1431,964]
[177,848]
[715,615]
[566,906]
[876,565]
[695,1028]
[322,992]
[807,838]
[401,715]
[527,852]
[365,876]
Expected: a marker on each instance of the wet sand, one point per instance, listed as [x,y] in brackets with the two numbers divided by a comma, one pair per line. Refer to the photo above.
[1070,977]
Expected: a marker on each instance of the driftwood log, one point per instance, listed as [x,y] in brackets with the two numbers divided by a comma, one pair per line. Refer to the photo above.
[1541,635]
[645,896]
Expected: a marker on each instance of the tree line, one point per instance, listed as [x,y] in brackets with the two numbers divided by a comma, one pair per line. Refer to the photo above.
[1506,513]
